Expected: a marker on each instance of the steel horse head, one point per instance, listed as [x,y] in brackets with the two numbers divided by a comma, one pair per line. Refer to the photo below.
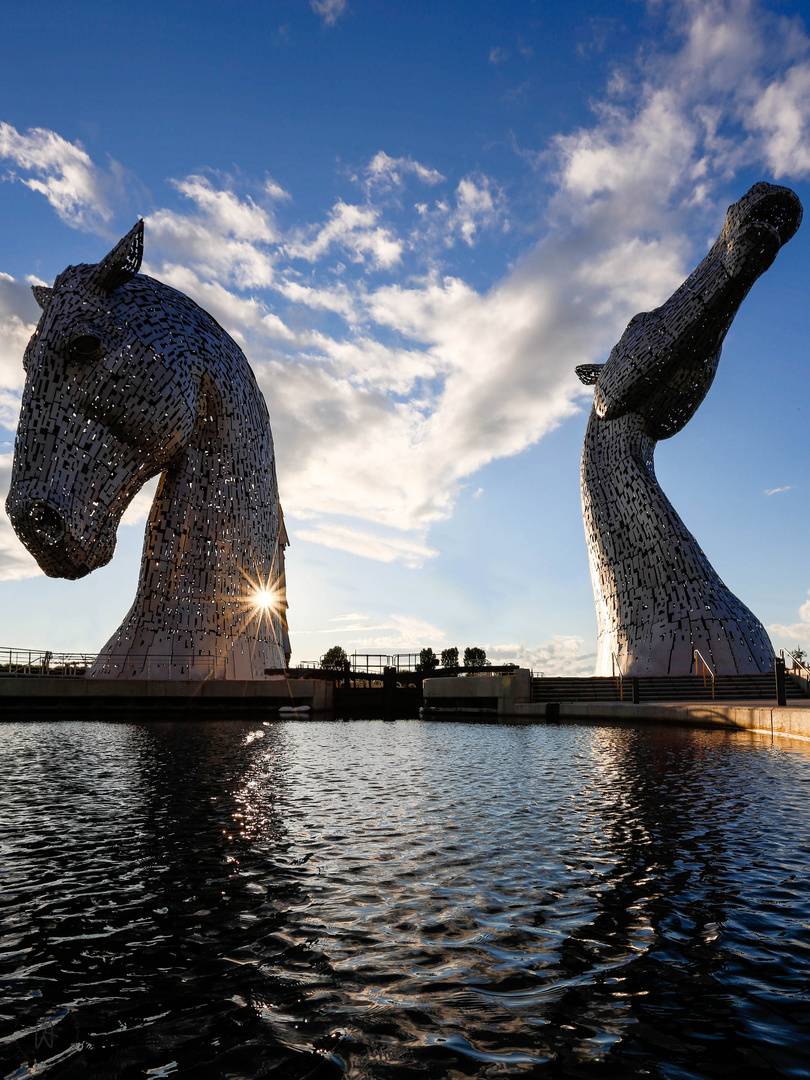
[127,379]
[658,598]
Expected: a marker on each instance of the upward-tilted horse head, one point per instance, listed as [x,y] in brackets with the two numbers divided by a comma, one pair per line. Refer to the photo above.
[127,379]
[657,597]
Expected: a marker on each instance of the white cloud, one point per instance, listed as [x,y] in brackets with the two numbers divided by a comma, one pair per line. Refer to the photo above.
[386,172]
[478,203]
[557,656]
[388,392]
[355,229]
[276,191]
[475,207]
[388,634]
[227,238]
[787,637]
[63,172]
[138,510]
[498,55]
[782,115]
[329,10]
[226,213]
[638,159]
[779,490]
[15,561]
[369,545]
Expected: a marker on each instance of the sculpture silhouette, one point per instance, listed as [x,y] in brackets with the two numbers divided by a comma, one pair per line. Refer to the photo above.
[657,596]
[125,379]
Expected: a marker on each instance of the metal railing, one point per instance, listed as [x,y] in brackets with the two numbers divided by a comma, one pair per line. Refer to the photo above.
[22,663]
[614,667]
[178,666]
[17,663]
[375,663]
[707,669]
[797,669]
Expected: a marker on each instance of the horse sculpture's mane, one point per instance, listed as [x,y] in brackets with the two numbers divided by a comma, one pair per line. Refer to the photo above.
[126,379]
[657,596]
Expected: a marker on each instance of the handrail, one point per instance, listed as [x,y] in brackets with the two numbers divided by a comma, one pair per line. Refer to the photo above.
[795,663]
[614,667]
[706,668]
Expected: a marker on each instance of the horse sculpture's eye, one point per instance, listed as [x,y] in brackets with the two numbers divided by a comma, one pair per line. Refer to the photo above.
[85,348]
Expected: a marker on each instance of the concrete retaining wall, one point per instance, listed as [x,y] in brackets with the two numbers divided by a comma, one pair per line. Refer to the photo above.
[31,690]
[501,693]
[791,720]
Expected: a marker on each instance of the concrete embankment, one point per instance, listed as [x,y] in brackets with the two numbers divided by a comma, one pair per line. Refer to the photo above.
[793,720]
[92,698]
[505,699]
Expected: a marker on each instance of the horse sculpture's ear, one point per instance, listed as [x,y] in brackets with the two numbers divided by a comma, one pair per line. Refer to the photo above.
[589,373]
[123,262]
[42,295]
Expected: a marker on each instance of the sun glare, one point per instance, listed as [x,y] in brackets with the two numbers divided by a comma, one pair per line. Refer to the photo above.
[266,599]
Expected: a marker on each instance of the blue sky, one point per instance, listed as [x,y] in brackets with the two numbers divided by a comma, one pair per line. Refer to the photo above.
[417,219]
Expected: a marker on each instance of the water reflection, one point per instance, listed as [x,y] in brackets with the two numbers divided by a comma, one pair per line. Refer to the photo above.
[134,900]
[403,899]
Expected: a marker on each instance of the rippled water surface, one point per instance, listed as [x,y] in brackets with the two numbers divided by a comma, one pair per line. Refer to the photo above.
[391,900]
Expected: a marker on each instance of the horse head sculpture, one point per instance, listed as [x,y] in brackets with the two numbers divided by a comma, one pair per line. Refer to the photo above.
[657,596]
[127,379]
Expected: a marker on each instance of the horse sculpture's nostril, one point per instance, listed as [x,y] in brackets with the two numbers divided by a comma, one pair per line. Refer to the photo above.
[45,522]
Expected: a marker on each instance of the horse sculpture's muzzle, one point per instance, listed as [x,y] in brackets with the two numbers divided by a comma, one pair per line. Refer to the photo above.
[757,226]
[45,530]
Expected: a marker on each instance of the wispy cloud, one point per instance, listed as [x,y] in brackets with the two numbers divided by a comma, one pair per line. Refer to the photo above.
[329,10]
[354,229]
[392,633]
[778,490]
[369,545]
[786,636]
[557,656]
[64,173]
[386,172]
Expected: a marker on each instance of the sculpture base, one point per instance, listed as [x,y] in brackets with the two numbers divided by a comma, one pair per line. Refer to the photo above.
[80,698]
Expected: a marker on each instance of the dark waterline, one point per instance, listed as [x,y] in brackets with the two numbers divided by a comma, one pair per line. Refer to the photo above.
[391,900]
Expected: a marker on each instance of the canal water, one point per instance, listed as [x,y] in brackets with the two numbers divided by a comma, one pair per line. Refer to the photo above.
[396,900]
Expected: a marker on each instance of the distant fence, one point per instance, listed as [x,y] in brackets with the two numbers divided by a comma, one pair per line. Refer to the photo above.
[19,662]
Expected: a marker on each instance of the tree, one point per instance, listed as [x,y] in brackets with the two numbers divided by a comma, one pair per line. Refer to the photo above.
[450,658]
[800,654]
[334,658]
[428,660]
[475,657]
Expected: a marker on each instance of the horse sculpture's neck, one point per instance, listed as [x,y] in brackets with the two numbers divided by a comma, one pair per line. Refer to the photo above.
[657,596]
[210,593]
